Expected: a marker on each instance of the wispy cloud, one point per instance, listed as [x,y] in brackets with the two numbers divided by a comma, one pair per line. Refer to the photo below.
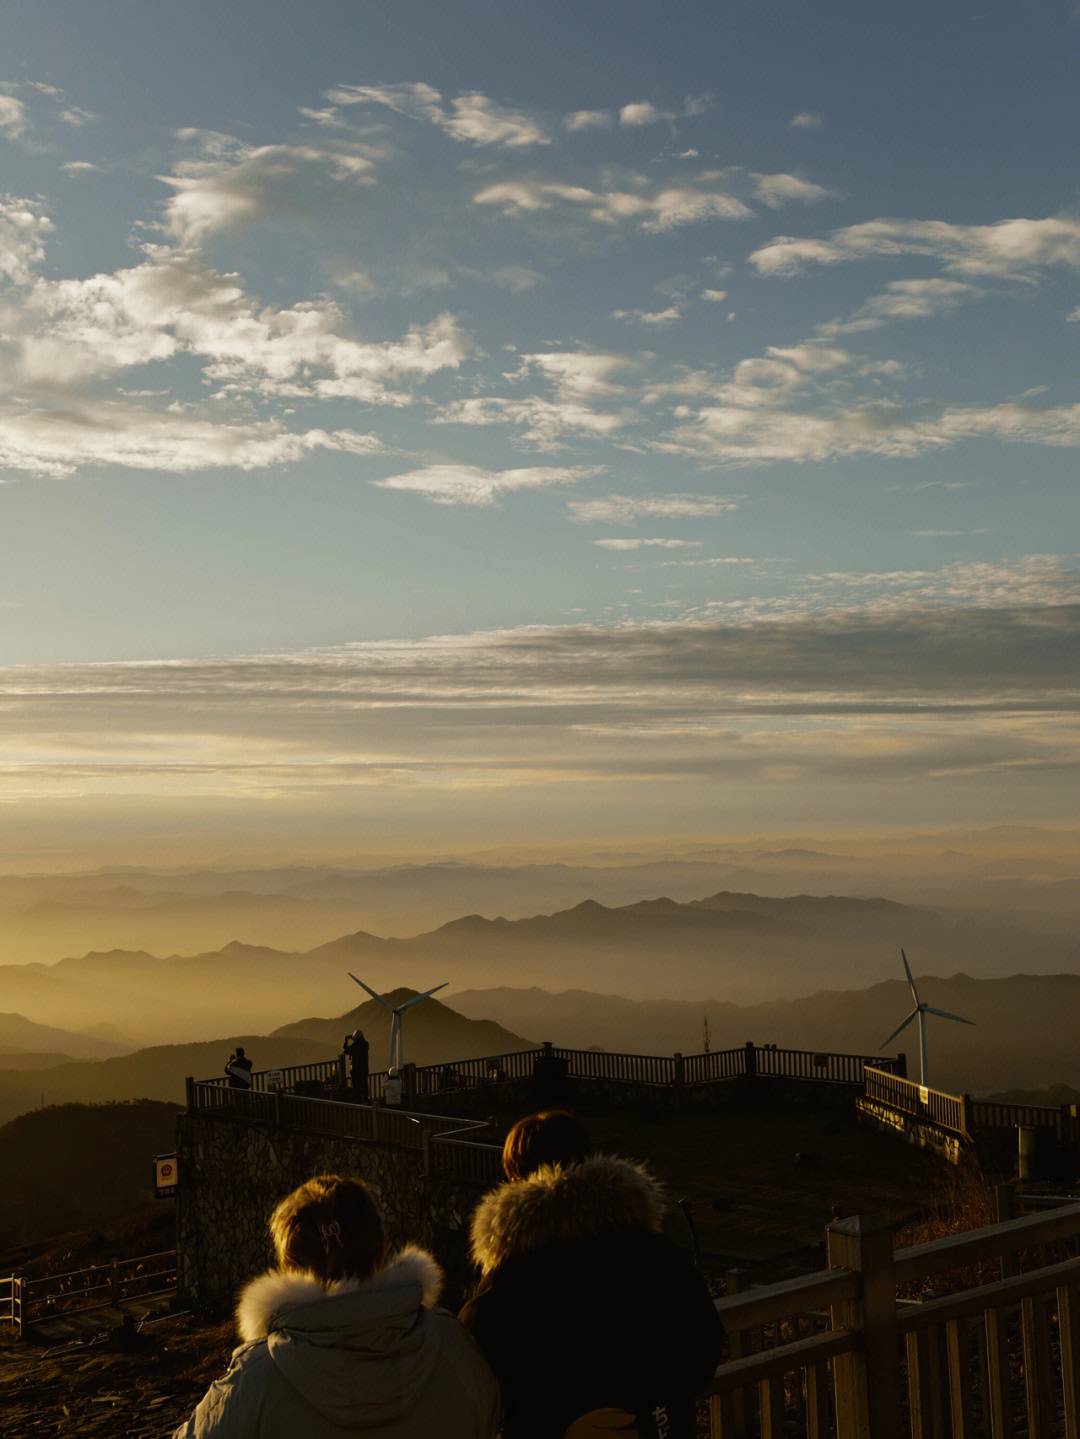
[12,115]
[628,509]
[806,120]
[470,485]
[470,117]
[655,542]
[1014,249]
[651,206]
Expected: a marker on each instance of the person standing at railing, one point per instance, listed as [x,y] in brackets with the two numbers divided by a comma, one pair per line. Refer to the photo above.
[591,1320]
[356,1048]
[343,1338]
[238,1068]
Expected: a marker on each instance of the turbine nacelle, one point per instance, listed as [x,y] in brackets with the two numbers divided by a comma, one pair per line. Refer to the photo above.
[397,1050]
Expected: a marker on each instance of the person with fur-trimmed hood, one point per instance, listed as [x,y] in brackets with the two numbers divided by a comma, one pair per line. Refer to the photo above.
[342,1341]
[592,1321]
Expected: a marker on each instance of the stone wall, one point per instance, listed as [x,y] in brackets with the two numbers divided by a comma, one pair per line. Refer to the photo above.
[233,1172]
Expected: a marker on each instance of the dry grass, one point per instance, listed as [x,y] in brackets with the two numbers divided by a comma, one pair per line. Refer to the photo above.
[966,1199]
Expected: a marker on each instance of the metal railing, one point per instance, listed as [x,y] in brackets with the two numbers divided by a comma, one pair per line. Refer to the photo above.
[945,1111]
[102,1286]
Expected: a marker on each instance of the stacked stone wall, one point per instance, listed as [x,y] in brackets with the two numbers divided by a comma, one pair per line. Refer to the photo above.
[233,1172]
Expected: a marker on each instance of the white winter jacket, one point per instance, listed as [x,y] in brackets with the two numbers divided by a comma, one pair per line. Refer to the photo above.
[371,1358]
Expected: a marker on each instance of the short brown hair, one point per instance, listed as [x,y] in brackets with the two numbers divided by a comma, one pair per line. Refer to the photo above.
[551,1137]
[330,1228]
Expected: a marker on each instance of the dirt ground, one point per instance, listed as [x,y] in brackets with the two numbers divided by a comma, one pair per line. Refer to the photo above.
[762,1183]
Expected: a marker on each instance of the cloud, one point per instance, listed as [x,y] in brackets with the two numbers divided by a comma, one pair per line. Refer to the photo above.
[12,115]
[760,430]
[907,300]
[588,120]
[615,544]
[628,509]
[649,317]
[471,117]
[451,484]
[172,304]
[23,228]
[642,113]
[1009,249]
[113,433]
[653,207]
[806,120]
[779,190]
[228,183]
[714,296]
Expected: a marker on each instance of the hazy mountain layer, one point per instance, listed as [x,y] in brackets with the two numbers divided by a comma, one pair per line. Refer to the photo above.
[730,948]
[1024,1030]
[1024,875]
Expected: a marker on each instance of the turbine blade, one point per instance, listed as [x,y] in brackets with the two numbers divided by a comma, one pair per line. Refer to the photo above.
[944,1014]
[370,991]
[418,997]
[911,982]
[897,1030]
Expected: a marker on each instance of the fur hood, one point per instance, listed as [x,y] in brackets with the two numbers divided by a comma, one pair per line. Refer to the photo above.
[555,1204]
[265,1298]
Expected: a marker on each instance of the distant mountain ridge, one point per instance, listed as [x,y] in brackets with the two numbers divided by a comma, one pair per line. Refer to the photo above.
[728,947]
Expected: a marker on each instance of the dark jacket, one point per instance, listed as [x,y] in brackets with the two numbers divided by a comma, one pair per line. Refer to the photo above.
[583,1304]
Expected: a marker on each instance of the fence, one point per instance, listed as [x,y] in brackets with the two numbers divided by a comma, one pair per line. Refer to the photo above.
[945,1111]
[104,1286]
[838,1351]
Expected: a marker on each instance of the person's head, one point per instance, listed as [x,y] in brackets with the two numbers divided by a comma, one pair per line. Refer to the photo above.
[330,1228]
[239,1051]
[551,1137]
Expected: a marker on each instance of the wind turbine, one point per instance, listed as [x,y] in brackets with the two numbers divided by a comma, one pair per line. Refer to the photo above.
[922,1010]
[397,1010]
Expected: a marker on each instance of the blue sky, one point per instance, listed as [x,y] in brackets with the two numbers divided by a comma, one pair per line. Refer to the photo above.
[434,427]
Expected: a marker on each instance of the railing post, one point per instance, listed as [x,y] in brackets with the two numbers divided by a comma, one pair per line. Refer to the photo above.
[189,1092]
[901,1065]
[966,1126]
[722,1426]
[425,1147]
[679,1075]
[867,1381]
[751,1060]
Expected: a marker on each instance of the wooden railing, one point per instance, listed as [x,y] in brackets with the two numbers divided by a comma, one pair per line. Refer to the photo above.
[839,1351]
[103,1286]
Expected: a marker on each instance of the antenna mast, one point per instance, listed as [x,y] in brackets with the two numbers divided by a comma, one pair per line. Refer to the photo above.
[705,1033]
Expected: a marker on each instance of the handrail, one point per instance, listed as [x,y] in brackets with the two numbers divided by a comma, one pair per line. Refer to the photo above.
[799,1354]
[920,1260]
[771,1302]
[987,1296]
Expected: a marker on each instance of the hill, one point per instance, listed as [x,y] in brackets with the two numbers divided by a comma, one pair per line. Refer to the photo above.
[155,1073]
[433,1032]
[21,1035]
[72,1166]
[729,947]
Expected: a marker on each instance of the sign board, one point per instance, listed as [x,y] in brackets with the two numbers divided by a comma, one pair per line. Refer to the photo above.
[165,1182]
[924,1094]
[275,1080]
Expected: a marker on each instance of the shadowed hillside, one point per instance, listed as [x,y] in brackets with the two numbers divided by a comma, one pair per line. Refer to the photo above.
[74,1165]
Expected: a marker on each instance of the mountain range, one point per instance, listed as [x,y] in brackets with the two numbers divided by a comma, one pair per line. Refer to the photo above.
[730,948]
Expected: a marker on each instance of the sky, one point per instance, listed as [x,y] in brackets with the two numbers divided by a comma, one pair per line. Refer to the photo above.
[443,427]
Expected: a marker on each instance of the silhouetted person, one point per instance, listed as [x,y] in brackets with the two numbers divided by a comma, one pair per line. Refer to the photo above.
[238,1068]
[356,1047]
[592,1321]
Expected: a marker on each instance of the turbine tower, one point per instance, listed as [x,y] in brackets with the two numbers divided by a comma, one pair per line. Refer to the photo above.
[397,1010]
[922,1010]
